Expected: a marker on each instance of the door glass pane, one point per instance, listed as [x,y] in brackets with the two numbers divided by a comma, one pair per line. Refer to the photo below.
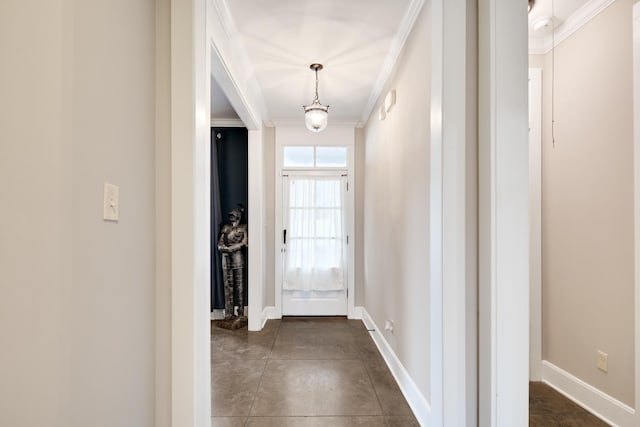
[298,157]
[314,259]
[331,157]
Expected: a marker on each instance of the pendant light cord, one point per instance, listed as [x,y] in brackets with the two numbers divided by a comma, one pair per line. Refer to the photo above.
[316,100]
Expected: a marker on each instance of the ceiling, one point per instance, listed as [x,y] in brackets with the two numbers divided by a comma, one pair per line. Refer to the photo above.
[357,41]
[565,16]
[560,10]
[221,108]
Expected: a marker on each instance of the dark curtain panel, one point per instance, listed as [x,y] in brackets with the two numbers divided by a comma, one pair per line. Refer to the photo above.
[217,285]
[229,181]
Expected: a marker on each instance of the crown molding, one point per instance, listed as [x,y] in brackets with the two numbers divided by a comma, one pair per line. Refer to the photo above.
[232,67]
[577,20]
[537,46]
[227,123]
[392,57]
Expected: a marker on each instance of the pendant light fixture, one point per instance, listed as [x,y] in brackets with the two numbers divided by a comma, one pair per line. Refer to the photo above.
[316,114]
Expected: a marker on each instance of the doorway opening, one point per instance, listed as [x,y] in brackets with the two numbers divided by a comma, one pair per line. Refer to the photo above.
[229,191]
[314,224]
[586,246]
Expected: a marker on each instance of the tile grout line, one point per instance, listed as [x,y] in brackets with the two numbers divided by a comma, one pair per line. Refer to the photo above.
[366,369]
[375,390]
[354,335]
[264,369]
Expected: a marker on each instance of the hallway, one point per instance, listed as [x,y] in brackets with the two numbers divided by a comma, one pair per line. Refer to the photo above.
[303,372]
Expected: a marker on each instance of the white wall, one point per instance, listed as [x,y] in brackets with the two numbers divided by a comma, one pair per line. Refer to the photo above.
[77,307]
[300,135]
[587,203]
[269,299]
[256,224]
[396,206]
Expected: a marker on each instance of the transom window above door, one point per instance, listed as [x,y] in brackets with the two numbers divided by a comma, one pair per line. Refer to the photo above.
[310,156]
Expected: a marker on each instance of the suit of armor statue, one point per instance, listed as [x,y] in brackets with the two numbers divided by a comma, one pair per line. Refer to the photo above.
[233,237]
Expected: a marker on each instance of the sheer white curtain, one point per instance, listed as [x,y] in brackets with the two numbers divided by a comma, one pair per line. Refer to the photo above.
[314,258]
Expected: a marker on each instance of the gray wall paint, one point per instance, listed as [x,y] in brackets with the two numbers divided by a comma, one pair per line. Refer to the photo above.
[396,206]
[587,203]
[163,215]
[77,312]
[359,148]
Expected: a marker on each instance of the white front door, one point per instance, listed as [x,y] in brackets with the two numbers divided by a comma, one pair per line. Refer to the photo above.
[314,244]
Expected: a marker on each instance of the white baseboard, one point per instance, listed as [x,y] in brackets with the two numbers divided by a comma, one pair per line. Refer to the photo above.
[217,314]
[269,312]
[357,312]
[593,400]
[415,398]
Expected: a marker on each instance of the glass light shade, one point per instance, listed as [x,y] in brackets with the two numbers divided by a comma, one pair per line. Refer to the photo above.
[316,117]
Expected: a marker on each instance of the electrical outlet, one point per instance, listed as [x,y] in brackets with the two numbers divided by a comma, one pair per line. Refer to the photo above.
[603,363]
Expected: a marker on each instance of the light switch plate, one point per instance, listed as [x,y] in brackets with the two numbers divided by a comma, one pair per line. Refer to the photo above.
[603,362]
[111,208]
[390,100]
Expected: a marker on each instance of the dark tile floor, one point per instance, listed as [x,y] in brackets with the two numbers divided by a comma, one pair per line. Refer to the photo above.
[303,372]
[548,408]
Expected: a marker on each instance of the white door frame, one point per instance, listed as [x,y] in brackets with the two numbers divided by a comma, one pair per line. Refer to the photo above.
[503,175]
[504,214]
[233,73]
[190,220]
[199,44]
[453,215]
[350,200]
[535,201]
